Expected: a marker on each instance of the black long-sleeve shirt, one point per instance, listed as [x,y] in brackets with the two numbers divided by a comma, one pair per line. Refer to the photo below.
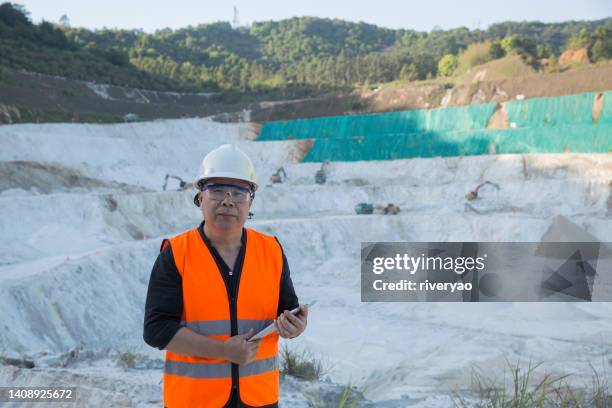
[164,304]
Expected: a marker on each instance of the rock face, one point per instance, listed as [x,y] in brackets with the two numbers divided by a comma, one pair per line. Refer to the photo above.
[580,55]
[79,240]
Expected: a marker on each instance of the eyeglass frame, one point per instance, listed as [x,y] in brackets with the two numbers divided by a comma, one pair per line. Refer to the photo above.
[208,186]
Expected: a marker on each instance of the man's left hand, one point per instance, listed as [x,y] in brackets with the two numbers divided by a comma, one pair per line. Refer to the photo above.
[289,325]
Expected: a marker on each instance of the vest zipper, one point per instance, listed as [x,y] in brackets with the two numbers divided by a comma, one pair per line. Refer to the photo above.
[231,297]
[234,316]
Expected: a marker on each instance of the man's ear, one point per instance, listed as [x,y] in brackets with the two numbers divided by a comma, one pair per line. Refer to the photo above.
[250,205]
[196,199]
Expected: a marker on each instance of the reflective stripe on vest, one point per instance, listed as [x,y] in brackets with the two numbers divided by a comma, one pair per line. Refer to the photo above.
[205,382]
[220,327]
[219,370]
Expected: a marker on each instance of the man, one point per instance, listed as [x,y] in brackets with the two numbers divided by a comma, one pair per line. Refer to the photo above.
[215,286]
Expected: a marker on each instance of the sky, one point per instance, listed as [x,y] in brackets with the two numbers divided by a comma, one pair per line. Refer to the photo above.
[423,15]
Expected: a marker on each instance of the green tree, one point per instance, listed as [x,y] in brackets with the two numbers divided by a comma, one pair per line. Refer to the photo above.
[14,15]
[496,51]
[408,73]
[578,39]
[510,43]
[447,65]
[64,21]
[116,57]
[51,36]
[601,49]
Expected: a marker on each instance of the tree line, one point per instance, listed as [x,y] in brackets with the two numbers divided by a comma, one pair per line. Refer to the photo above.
[304,51]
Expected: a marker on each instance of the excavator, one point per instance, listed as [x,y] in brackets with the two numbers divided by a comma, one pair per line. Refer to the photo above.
[183,185]
[473,195]
[276,177]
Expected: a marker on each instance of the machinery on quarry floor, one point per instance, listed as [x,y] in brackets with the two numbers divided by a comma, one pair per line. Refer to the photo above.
[364,208]
[183,185]
[367,208]
[321,174]
[279,176]
[473,195]
[388,209]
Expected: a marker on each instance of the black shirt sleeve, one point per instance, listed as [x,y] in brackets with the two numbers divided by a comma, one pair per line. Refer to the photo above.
[164,303]
[287,299]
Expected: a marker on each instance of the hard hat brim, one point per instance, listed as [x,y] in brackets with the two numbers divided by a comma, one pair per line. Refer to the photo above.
[230,175]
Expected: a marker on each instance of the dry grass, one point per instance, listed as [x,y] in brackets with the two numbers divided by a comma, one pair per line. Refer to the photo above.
[301,364]
[127,359]
[474,55]
[341,401]
[526,392]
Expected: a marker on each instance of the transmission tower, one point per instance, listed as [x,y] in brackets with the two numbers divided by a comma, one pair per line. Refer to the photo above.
[235,22]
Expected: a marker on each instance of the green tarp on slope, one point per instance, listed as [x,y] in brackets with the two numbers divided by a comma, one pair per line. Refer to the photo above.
[539,125]
[553,111]
[455,118]
[576,138]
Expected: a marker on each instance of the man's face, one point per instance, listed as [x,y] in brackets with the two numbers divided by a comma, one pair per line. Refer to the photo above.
[225,213]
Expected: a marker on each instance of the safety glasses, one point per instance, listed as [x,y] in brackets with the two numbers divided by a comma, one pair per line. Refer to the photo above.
[217,192]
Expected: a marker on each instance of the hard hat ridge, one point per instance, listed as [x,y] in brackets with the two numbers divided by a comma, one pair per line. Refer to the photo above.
[230,162]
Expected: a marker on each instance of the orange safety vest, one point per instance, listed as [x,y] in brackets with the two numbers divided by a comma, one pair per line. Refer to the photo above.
[191,381]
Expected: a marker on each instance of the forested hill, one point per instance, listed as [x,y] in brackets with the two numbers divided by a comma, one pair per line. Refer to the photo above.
[303,51]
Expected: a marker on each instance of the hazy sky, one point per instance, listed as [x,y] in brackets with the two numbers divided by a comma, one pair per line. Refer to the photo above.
[420,15]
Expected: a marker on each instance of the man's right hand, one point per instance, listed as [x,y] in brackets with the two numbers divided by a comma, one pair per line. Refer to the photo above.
[240,351]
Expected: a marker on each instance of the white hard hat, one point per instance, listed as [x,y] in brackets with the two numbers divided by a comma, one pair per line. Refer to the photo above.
[227,161]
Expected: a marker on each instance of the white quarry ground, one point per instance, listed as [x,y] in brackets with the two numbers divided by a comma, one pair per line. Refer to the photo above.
[83,215]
